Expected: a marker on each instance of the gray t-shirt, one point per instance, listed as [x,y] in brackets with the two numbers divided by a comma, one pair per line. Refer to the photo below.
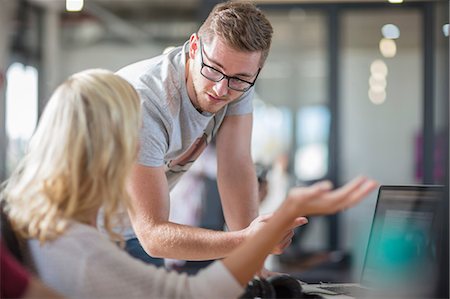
[174,133]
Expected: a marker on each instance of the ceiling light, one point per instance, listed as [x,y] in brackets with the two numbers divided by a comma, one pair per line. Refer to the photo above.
[74,5]
[377,98]
[388,48]
[378,68]
[390,31]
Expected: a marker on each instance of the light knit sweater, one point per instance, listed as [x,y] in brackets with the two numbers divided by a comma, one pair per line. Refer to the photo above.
[83,263]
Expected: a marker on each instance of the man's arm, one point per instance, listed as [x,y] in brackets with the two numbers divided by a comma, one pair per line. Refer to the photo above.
[160,238]
[235,171]
[237,180]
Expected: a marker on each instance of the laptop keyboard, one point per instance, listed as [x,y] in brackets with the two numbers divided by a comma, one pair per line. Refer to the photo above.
[353,291]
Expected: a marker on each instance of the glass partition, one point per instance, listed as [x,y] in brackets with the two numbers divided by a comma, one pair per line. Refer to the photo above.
[295,82]
[380,108]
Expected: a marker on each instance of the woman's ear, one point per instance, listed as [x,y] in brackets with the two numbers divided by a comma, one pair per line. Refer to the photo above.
[193,45]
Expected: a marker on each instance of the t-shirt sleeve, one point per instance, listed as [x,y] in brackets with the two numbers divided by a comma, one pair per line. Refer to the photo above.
[243,105]
[154,136]
[216,277]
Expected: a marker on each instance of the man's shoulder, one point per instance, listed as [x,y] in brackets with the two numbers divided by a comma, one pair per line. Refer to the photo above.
[136,71]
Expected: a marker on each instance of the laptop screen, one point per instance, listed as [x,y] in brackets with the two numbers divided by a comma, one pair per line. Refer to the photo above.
[401,249]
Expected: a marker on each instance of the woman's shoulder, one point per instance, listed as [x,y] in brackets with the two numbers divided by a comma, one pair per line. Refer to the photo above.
[78,240]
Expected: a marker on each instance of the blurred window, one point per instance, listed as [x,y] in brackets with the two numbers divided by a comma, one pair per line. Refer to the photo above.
[295,77]
[311,155]
[21,110]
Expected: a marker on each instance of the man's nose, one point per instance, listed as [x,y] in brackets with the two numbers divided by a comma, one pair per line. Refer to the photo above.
[221,87]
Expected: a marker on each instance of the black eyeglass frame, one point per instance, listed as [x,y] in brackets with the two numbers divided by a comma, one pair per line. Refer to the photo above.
[203,64]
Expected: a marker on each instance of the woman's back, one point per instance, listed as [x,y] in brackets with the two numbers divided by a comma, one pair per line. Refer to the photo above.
[83,263]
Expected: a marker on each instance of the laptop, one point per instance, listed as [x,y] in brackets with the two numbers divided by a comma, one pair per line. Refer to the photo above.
[400,257]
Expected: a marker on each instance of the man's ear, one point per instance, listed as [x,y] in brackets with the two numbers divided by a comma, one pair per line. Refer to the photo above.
[193,45]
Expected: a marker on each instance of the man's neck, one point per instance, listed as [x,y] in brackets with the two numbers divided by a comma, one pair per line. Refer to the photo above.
[190,84]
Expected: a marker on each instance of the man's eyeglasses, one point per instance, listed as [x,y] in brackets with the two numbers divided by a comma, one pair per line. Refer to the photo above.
[215,75]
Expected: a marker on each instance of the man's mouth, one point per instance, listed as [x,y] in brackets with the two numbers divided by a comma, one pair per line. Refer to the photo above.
[216,99]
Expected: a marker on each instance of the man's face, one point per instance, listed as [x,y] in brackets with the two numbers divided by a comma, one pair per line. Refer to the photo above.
[209,96]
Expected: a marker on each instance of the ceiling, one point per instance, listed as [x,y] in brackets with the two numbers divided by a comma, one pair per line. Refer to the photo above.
[140,20]
[174,7]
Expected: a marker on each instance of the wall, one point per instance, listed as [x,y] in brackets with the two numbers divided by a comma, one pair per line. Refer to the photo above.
[377,140]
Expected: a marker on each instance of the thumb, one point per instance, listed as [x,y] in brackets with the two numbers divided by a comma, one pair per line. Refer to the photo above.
[299,221]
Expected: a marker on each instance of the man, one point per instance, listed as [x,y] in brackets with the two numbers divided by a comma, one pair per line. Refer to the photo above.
[190,95]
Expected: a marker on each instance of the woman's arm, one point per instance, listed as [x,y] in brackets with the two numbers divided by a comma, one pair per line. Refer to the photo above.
[248,258]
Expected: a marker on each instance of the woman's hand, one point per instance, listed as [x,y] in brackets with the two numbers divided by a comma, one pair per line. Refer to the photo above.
[319,199]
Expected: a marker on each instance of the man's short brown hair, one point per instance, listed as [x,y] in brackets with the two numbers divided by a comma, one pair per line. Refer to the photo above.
[241,24]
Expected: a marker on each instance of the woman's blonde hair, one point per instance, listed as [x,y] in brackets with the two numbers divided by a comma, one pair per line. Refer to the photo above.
[78,159]
[241,24]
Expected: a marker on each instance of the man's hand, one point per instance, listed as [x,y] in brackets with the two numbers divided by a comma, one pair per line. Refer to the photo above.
[285,240]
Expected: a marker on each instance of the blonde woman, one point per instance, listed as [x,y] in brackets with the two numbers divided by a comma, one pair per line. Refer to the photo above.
[79,160]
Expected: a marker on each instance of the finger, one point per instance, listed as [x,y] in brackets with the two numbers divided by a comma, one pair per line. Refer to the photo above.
[360,193]
[315,190]
[286,238]
[288,235]
[299,221]
[342,196]
[285,245]
[281,246]
[323,185]
[351,193]
[350,187]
